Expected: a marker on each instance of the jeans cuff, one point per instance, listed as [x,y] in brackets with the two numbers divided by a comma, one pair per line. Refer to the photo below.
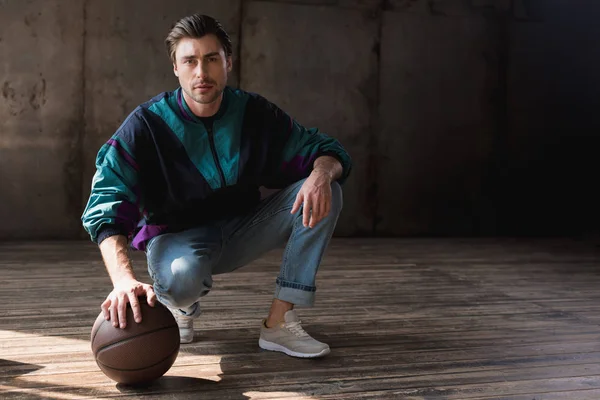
[295,293]
[193,311]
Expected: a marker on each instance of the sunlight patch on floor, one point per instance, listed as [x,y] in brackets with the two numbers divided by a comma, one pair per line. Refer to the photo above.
[278,395]
[79,369]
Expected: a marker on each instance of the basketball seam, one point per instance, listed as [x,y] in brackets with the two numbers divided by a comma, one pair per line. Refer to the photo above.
[137,369]
[132,338]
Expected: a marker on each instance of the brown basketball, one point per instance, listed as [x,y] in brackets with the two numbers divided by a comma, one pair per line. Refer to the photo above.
[140,353]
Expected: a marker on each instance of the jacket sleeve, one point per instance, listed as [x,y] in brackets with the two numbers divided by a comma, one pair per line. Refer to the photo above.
[114,206]
[294,148]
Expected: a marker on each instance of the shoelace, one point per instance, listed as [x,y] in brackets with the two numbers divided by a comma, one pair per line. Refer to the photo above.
[296,329]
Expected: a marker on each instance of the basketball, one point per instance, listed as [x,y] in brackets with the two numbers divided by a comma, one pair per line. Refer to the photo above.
[139,353]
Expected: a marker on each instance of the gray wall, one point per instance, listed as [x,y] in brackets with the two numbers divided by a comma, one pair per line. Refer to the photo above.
[462,116]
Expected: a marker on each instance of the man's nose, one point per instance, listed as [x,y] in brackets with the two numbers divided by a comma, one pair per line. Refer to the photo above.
[202,70]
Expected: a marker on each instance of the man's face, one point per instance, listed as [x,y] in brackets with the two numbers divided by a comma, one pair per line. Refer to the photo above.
[202,66]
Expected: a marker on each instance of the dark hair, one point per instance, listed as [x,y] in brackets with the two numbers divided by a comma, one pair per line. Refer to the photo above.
[195,26]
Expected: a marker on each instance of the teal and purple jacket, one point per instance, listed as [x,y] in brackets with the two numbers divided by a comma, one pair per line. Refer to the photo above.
[164,170]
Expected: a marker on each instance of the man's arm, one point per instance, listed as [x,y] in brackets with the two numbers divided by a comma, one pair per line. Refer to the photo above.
[126,287]
[330,166]
[112,214]
[116,258]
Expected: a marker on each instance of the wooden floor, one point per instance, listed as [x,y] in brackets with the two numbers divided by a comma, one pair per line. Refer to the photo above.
[406,319]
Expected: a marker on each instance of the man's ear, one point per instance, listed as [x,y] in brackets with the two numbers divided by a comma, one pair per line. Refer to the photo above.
[175,70]
[229,63]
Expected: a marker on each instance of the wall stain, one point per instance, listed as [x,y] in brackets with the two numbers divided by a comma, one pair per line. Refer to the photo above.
[30,21]
[8,92]
[37,98]
[252,26]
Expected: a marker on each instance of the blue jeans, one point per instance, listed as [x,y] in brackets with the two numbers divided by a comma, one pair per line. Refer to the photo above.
[182,264]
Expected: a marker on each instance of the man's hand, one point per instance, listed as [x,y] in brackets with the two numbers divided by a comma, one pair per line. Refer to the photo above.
[126,291]
[315,193]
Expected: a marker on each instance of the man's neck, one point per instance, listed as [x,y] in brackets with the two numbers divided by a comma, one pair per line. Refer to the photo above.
[203,110]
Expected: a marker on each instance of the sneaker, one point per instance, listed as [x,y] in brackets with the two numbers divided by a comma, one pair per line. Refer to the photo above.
[186,327]
[289,338]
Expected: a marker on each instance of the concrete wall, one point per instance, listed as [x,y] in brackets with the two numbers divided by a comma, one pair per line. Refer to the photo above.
[462,116]
[41,117]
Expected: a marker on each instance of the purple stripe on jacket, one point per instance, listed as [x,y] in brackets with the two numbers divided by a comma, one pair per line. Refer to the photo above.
[114,143]
[145,234]
[127,215]
[298,166]
[182,108]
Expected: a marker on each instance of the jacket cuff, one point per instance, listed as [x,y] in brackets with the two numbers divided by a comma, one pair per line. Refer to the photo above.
[108,231]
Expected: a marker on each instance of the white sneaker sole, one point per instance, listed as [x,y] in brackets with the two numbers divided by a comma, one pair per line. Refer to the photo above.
[183,340]
[188,337]
[266,345]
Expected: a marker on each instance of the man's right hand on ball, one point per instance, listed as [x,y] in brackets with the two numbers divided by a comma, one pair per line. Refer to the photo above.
[126,291]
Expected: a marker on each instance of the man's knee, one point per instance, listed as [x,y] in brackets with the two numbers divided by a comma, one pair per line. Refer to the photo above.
[185,280]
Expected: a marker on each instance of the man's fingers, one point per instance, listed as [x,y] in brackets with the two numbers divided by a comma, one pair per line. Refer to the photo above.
[322,207]
[135,306]
[150,296]
[113,313]
[327,208]
[297,203]
[306,211]
[316,213]
[122,309]
[104,307]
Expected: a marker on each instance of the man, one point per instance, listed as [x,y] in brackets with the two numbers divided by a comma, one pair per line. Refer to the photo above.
[181,177]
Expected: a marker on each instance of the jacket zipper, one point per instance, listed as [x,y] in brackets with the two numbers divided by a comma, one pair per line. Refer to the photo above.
[213,149]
